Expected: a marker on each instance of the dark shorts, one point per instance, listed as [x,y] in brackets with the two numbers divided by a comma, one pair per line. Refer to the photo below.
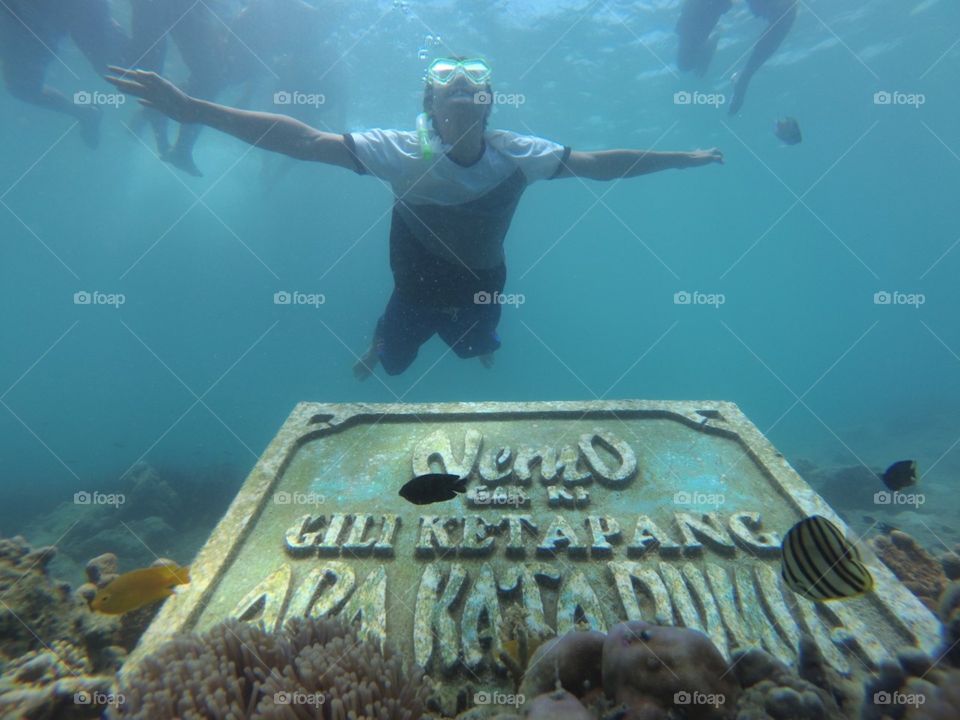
[468,330]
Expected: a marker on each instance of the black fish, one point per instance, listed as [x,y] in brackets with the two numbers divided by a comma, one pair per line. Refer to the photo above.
[788,130]
[818,562]
[435,487]
[900,475]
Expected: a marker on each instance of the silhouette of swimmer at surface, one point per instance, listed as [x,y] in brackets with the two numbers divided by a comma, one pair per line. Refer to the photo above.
[201,39]
[30,34]
[696,46]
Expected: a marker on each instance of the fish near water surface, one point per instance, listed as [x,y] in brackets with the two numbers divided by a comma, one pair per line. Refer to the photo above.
[788,131]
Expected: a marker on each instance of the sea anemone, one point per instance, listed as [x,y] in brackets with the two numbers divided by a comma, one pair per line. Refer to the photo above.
[310,669]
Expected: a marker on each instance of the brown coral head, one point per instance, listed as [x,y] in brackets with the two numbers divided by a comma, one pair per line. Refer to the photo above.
[672,667]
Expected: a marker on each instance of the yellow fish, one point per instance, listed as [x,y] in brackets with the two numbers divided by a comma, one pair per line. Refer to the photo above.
[137,588]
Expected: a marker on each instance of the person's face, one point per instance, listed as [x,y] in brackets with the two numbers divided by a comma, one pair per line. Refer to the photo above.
[460,101]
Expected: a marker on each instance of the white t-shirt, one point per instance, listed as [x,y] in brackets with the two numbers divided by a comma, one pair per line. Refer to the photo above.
[395,156]
[456,213]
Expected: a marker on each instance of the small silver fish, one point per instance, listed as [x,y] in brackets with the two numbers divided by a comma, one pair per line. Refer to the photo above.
[788,130]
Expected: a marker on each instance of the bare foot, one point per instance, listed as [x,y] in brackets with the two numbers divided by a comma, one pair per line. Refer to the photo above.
[363,368]
[183,160]
[486,360]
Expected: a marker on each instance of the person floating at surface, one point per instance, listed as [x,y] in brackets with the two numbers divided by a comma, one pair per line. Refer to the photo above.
[696,44]
[278,49]
[201,39]
[30,33]
[456,186]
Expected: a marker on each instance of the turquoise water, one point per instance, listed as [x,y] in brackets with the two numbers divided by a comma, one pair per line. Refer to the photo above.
[198,367]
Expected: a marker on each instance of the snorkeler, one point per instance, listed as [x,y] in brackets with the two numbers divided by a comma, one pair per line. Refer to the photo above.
[30,33]
[456,187]
[696,44]
[200,38]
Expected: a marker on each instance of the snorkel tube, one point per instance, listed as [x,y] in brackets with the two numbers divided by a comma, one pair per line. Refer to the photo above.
[423,135]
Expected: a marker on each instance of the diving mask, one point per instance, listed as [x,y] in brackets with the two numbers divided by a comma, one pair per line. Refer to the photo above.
[443,70]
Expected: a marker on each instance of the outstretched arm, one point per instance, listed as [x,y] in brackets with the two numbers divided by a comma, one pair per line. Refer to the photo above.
[277,133]
[613,164]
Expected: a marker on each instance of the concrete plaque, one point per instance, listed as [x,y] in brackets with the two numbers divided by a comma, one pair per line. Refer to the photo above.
[576,514]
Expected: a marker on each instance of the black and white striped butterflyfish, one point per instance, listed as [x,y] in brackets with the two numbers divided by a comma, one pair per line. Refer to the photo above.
[819,563]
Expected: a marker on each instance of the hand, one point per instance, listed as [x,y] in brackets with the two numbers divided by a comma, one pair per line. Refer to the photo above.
[705,157]
[154,92]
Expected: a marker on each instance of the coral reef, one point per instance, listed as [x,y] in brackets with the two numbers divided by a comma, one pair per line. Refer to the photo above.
[572,660]
[917,569]
[913,689]
[771,691]
[53,683]
[36,610]
[918,687]
[652,672]
[316,668]
[637,671]
[53,649]
[951,564]
[557,705]
[651,669]
[950,615]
